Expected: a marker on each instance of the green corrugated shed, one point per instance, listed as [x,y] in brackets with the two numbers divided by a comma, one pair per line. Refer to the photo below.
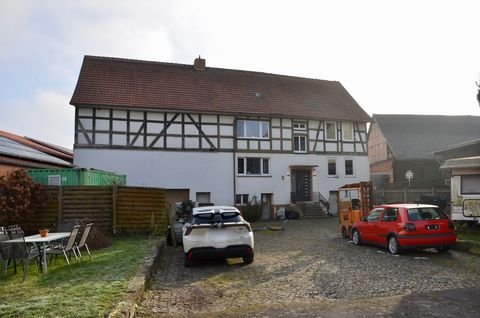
[76,177]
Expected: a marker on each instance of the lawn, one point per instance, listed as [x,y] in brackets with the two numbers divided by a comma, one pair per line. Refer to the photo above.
[89,290]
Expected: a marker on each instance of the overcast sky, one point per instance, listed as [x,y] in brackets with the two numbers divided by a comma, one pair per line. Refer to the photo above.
[394,57]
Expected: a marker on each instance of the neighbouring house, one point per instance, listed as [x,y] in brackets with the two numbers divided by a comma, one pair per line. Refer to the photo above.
[402,147]
[17,152]
[217,135]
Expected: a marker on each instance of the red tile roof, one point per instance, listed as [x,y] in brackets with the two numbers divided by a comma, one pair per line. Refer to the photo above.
[114,82]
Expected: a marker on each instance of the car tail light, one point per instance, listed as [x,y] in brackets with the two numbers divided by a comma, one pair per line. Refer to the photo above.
[409,227]
[451,226]
[189,230]
[249,228]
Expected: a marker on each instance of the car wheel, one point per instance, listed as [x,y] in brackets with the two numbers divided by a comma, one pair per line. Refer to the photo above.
[188,262]
[356,237]
[344,232]
[443,249]
[248,259]
[393,246]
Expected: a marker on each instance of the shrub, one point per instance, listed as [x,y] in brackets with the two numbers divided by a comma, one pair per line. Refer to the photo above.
[251,212]
[19,197]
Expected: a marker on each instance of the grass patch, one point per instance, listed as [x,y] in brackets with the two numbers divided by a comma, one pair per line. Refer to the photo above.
[469,235]
[89,290]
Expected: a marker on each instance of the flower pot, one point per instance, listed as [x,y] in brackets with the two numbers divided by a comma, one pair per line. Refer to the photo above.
[43,233]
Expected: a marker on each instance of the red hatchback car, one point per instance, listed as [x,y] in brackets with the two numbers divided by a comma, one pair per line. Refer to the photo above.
[404,226]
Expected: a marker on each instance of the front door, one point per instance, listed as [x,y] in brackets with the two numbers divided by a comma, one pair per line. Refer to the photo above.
[266,206]
[303,185]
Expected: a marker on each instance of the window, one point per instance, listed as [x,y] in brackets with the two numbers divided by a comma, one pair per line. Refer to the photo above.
[203,197]
[390,215]
[347,131]
[332,167]
[300,126]
[470,184]
[331,130]
[348,167]
[300,143]
[241,199]
[374,215]
[422,214]
[252,129]
[253,166]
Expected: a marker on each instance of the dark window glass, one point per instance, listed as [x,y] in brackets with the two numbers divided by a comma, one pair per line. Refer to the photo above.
[253,166]
[241,166]
[425,214]
[349,167]
[265,167]
[332,168]
[390,215]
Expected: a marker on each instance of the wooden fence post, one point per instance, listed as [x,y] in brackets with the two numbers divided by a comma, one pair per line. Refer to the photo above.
[114,208]
[60,205]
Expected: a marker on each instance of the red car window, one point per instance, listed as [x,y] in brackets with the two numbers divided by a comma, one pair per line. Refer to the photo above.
[425,214]
[390,215]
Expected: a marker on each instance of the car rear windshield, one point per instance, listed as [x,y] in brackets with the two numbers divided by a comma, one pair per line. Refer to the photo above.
[217,217]
[425,214]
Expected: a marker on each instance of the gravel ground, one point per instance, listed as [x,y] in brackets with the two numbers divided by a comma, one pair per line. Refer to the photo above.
[308,270]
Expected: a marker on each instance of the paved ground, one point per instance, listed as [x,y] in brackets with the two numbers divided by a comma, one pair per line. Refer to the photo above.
[308,270]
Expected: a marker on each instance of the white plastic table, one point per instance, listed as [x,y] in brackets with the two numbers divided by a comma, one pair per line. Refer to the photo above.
[37,239]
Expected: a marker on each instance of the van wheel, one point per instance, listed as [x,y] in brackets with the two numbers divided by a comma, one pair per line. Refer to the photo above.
[393,246]
[356,237]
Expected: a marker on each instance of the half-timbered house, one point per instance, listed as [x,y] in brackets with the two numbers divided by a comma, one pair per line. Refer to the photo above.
[219,135]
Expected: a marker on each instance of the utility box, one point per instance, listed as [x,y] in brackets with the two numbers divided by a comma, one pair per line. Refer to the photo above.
[76,177]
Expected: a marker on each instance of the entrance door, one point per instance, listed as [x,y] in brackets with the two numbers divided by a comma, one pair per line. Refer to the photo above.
[266,206]
[303,185]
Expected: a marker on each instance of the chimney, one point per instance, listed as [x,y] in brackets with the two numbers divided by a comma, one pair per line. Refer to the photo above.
[199,64]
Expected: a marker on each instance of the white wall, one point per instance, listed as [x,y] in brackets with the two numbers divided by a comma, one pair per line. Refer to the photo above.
[197,171]
[279,182]
[213,172]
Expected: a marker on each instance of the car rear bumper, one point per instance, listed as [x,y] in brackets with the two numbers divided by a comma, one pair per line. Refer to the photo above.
[425,241]
[234,251]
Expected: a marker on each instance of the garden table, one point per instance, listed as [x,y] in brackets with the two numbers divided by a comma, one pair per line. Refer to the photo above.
[44,241]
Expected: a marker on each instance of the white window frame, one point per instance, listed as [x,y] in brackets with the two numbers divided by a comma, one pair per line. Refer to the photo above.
[297,126]
[299,144]
[334,128]
[350,129]
[261,129]
[345,167]
[328,168]
[262,166]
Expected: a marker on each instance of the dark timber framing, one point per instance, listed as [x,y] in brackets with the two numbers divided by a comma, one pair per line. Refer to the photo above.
[97,127]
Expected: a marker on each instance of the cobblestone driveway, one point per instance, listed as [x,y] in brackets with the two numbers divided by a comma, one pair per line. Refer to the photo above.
[309,270]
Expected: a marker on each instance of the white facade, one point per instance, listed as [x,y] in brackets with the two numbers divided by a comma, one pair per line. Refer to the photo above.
[225,156]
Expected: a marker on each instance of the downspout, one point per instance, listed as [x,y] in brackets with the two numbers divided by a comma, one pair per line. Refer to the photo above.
[234,152]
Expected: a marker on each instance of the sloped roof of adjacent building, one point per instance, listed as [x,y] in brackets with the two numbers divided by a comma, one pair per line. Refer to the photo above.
[115,82]
[44,147]
[418,136]
[469,162]
[16,153]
